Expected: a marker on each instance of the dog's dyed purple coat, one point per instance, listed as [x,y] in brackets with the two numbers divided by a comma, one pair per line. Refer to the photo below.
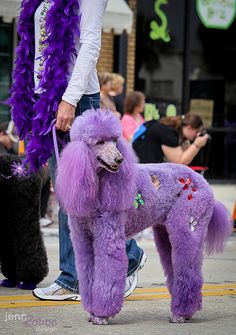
[102,215]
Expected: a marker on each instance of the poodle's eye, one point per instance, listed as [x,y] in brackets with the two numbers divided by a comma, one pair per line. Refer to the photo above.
[101,142]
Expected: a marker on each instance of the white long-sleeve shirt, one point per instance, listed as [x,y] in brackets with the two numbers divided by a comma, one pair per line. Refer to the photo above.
[83,75]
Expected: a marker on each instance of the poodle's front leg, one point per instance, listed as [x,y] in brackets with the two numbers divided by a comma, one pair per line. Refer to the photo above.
[82,242]
[110,266]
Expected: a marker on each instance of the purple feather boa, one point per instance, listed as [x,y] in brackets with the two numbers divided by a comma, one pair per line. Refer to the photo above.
[33,118]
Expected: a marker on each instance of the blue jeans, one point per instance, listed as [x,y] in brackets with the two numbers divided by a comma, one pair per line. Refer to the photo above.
[68,277]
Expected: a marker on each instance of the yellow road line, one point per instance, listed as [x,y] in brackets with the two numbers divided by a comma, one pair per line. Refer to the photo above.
[16,297]
[137,291]
[164,289]
[19,301]
[167,296]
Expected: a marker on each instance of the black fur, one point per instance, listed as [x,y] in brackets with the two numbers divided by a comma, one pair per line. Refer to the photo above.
[22,253]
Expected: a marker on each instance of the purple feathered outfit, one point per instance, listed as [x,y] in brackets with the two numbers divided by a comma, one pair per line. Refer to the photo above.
[33,117]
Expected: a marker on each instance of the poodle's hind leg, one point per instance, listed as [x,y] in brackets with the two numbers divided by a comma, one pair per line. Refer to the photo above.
[82,241]
[30,252]
[111,265]
[164,248]
[7,248]
[187,255]
[7,261]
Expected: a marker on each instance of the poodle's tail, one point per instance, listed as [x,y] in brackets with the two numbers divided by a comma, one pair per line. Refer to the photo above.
[219,230]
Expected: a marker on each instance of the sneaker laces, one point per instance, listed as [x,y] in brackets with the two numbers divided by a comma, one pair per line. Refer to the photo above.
[50,290]
[129,281]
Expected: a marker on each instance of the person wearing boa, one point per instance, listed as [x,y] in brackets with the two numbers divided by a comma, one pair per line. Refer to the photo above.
[55,77]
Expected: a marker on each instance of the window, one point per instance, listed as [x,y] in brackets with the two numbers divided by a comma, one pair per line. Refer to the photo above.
[6,52]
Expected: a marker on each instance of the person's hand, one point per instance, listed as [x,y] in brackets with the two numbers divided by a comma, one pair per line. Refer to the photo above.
[65,116]
[200,141]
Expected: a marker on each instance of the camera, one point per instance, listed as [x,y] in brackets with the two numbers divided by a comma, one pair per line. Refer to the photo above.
[202,132]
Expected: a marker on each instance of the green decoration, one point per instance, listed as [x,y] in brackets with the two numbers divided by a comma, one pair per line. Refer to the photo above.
[171,110]
[151,112]
[138,201]
[218,14]
[160,31]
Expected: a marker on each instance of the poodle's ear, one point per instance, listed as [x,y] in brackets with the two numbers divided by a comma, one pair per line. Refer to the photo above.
[76,182]
[118,189]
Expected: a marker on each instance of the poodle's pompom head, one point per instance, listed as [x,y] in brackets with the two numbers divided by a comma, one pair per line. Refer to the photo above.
[77,184]
[93,125]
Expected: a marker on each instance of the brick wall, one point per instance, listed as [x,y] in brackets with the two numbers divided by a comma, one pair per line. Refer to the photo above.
[105,62]
[131,51]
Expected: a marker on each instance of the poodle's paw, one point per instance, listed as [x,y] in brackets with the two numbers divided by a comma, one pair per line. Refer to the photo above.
[177,319]
[27,285]
[99,321]
[187,318]
[8,283]
[91,317]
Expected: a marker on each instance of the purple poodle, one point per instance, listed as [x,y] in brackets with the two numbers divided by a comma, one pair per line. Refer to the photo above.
[109,198]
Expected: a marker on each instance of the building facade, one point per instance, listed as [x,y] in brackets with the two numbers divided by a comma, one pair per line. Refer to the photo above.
[180,53]
[185,58]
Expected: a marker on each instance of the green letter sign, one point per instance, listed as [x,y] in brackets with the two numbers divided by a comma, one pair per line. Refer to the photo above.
[160,31]
[218,14]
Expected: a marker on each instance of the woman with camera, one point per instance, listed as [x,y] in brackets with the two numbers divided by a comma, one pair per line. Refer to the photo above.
[165,139]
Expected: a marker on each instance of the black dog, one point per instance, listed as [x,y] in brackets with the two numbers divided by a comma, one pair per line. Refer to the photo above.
[23,257]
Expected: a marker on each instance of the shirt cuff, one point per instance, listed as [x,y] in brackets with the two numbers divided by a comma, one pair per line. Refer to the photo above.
[70,100]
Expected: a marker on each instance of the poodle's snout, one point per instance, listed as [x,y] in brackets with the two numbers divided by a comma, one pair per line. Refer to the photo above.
[119,160]
[108,156]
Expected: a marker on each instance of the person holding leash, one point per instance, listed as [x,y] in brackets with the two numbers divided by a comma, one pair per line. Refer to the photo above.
[55,76]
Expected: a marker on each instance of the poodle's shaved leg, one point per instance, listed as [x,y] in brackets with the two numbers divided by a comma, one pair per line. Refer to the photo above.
[84,259]
[8,283]
[179,319]
[164,248]
[27,285]
[187,255]
[100,321]
[96,320]
[110,265]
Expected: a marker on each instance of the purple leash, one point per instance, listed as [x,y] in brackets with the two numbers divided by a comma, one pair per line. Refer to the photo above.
[54,136]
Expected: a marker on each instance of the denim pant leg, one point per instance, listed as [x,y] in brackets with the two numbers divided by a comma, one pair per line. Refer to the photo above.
[134,254]
[68,276]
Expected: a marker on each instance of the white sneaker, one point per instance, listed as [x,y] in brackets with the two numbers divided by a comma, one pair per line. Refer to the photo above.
[55,292]
[132,280]
[44,222]
[130,284]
